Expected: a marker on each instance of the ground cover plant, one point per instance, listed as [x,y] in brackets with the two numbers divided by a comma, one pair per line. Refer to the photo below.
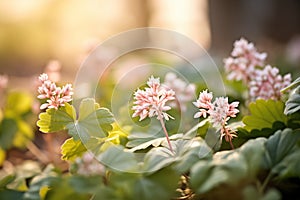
[244,146]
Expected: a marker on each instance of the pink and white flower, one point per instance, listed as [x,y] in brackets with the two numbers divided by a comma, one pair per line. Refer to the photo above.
[55,96]
[243,61]
[152,100]
[267,84]
[218,112]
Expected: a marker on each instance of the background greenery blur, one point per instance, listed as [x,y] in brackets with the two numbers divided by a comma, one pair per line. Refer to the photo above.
[34,32]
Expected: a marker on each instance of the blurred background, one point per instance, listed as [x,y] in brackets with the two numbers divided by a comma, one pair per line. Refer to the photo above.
[32,33]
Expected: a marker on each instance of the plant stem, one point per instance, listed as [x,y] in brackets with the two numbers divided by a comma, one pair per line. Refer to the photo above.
[165,131]
[264,185]
[37,152]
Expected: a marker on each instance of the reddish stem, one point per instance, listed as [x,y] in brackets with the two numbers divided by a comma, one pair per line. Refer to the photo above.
[165,131]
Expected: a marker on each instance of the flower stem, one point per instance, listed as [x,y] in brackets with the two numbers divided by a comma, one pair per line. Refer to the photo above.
[165,131]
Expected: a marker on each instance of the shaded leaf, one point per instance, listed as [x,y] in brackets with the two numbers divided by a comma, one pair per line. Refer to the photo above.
[164,186]
[8,130]
[280,149]
[186,153]
[117,159]
[228,167]
[24,134]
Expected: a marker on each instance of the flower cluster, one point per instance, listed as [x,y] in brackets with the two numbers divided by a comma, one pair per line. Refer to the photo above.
[152,100]
[218,111]
[184,92]
[247,64]
[243,61]
[55,96]
[268,83]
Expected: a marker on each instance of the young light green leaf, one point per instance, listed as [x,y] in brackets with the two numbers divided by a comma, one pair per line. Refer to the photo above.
[56,120]
[18,103]
[263,114]
[94,121]
[72,149]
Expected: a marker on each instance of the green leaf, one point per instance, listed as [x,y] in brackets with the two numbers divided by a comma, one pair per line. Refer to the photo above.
[279,148]
[155,142]
[164,186]
[92,120]
[117,159]
[8,130]
[18,103]
[56,120]
[10,194]
[95,121]
[24,134]
[144,136]
[228,167]
[6,180]
[263,114]
[293,103]
[186,153]
[46,179]
[72,149]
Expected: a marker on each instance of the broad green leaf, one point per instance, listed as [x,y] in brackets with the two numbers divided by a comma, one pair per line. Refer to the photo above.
[141,137]
[116,158]
[263,114]
[8,131]
[253,152]
[278,148]
[279,145]
[71,149]
[18,103]
[156,186]
[293,103]
[11,194]
[94,121]
[24,134]
[250,192]
[186,153]
[228,167]
[56,120]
